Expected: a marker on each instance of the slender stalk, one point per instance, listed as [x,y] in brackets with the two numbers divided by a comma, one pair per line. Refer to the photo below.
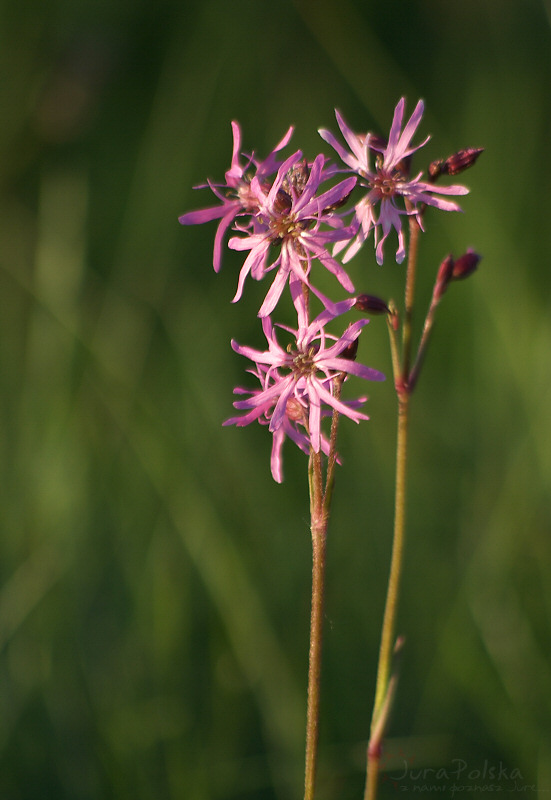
[314,668]
[389,620]
[386,684]
[383,696]
[332,458]
[319,521]
[320,504]
[409,298]
[394,349]
[423,344]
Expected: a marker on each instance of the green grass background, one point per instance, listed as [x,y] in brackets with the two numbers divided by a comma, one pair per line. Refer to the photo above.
[154,601]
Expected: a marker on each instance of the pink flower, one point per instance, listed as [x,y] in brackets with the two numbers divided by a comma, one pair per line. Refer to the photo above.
[289,218]
[388,180]
[304,372]
[234,195]
[292,424]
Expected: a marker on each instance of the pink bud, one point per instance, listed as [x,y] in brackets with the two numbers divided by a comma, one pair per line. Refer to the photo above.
[454,164]
[460,161]
[350,351]
[370,303]
[294,410]
[444,276]
[435,169]
[465,265]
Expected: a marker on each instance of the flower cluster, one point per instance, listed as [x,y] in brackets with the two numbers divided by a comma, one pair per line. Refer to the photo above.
[289,216]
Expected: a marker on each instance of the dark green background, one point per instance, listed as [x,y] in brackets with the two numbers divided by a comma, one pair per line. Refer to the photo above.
[154,605]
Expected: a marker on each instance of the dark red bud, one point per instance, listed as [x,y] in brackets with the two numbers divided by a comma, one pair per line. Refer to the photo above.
[350,351]
[371,304]
[283,201]
[444,276]
[454,164]
[435,169]
[460,161]
[376,143]
[465,265]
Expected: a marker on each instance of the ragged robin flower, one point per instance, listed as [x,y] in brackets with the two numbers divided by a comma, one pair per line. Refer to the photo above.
[304,372]
[293,227]
[235,195]
[293,425]
[387,180]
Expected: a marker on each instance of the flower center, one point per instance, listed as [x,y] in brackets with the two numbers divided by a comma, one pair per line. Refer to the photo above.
[302,362]
[283,227]
[386,182]
[283,223]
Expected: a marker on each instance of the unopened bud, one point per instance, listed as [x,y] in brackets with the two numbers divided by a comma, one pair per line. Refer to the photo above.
[350,351]
[462,160]
[456,163]
[444,276]
[371,304]
[297,178]
[376,143]
[435,169]
[294,410]
[283,201]
[465,265]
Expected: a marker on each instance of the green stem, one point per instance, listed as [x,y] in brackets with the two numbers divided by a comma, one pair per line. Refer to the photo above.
[314,669]
[332,458]
[319,521]
[383,697]
[389,620]
[385,685]
[320,504]
[409,298]
[423,344]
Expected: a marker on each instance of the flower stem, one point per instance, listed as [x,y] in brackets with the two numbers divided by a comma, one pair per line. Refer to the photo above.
[409,299]
[314,670]
[386,680]
[319,521]
[332,458]
[383,695]
[320,504]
